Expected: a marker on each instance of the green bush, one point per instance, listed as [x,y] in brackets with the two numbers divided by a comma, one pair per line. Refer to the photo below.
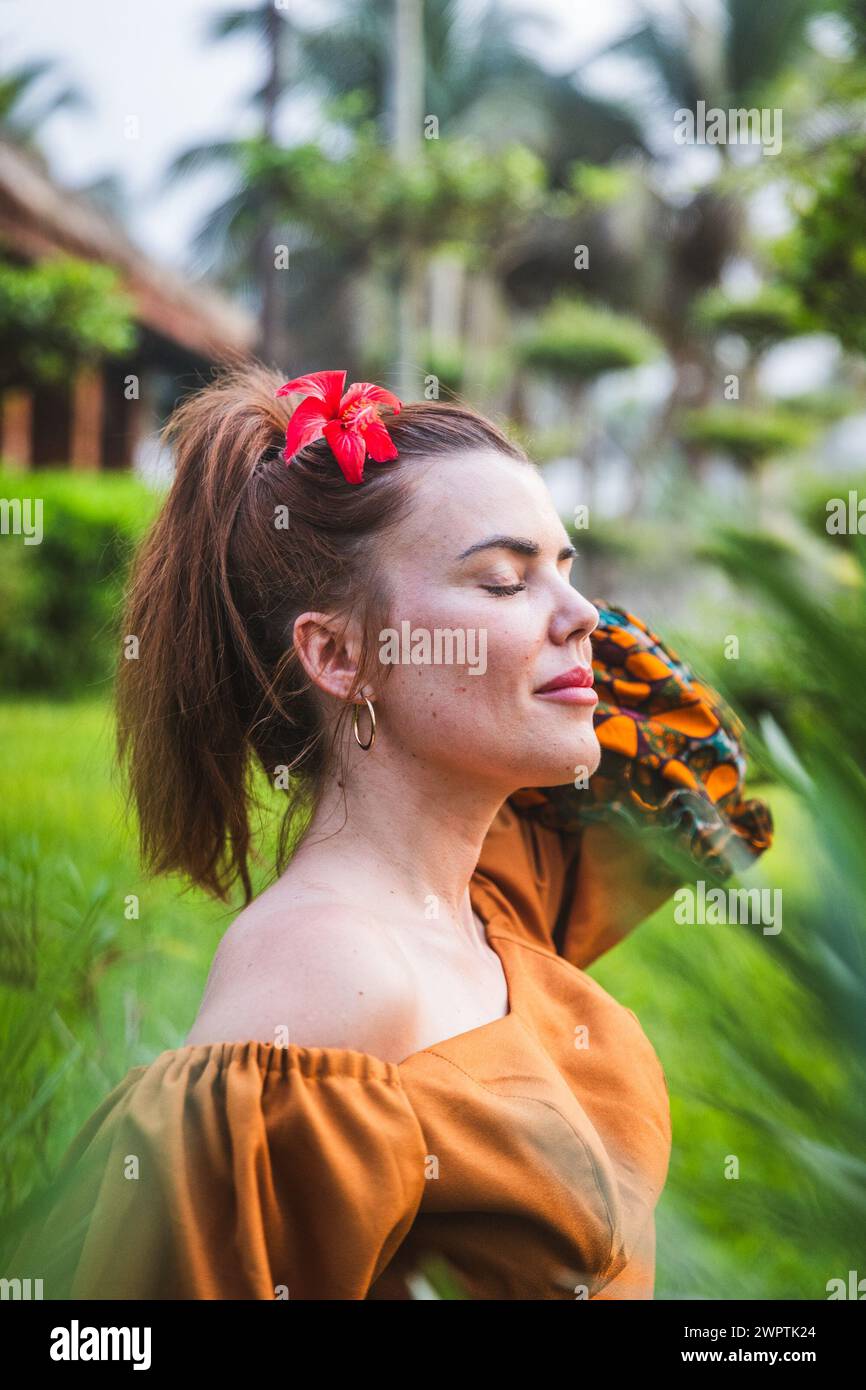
[60,599]
[824,258]
[579,342]
[770,316]
[59,314]
[747,435]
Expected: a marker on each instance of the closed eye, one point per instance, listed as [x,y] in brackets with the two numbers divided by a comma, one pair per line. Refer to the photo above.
[501,590]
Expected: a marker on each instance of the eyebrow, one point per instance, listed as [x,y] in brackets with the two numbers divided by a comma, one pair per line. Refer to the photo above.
[517,544]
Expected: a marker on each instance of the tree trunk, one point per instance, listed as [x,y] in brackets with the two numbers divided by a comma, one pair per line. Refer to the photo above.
[271,342]
[408,115]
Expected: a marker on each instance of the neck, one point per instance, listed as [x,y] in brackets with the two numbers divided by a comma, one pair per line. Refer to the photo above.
[401,837]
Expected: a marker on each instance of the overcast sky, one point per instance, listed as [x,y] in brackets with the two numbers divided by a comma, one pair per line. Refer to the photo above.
[149,60]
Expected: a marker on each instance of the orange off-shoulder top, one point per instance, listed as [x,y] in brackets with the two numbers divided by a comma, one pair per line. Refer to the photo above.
[527,1155]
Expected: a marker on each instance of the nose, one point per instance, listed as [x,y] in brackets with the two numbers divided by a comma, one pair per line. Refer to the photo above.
[575,617]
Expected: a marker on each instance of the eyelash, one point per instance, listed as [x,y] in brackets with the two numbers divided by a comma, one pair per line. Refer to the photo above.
[500,590]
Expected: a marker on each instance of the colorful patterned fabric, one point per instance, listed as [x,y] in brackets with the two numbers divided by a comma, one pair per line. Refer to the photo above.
[671,754]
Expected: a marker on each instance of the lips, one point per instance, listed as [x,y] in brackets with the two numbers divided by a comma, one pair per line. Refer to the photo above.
[578,678]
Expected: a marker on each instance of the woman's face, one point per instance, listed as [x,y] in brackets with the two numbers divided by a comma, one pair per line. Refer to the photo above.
[483,615]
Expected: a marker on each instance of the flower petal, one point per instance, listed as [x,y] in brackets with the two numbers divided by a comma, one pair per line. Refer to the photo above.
[380,445]
[348,449]
[307,423]
[367,392]
[325,386]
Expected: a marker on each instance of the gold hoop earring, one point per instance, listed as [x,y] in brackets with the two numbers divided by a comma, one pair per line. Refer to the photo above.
[372,739]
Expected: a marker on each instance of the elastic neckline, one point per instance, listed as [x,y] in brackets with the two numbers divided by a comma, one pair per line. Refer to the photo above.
[314,1063]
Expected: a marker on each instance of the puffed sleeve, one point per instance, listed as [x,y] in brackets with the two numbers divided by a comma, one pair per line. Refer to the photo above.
[235,1171]
[668,794]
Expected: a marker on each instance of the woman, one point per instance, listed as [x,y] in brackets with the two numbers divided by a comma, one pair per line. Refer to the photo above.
[398,1054]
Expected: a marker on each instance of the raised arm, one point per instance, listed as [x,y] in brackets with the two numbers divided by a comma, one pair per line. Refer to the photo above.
[666,801]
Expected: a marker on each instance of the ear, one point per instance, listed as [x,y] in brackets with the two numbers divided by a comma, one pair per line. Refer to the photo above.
[329,649]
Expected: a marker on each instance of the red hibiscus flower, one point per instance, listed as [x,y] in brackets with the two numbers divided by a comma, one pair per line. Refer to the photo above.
[350,422]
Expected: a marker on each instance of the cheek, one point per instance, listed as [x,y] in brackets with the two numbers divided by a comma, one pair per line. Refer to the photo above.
[459,702]
[464,660]
[479,713]
[472,711]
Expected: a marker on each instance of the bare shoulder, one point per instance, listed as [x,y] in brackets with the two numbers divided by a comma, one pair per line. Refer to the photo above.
[312,974]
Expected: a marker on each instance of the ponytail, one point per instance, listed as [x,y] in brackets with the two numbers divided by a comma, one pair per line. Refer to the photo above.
[184,705]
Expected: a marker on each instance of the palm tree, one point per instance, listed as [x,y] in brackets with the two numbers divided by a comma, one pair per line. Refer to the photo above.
[276,32]
[27,101]
[731,61]
[478,76]
[728,59]
[477,80]
[29,96]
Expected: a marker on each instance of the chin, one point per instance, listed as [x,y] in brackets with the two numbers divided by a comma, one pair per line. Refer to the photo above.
[561,760]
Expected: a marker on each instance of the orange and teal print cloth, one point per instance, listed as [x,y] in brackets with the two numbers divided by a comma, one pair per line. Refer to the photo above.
[672,754]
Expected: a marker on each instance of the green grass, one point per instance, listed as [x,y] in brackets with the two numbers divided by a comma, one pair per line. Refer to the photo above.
[106,990]
[67,801]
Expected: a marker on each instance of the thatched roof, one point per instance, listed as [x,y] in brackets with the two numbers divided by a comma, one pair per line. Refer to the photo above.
[39,219]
